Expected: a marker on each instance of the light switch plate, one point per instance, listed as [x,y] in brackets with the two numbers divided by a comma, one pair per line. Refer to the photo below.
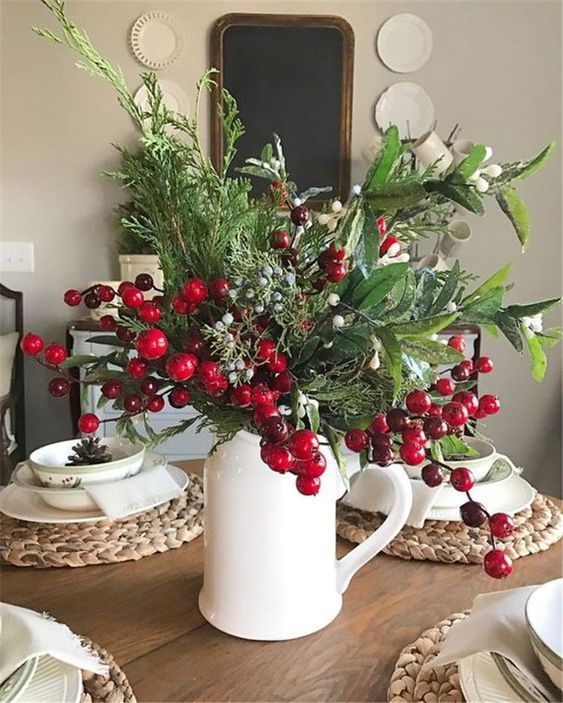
[17,257]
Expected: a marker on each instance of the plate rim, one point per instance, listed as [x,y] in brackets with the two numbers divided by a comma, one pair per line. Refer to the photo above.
[468,679]
[388,26]
[388,93]
[30,667]
[135,38]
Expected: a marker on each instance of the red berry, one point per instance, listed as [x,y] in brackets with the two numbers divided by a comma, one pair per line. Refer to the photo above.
[194,341]
[207,371]
[262,395]
[414,435]
[479,414]
[108,323]
[460,373]
[497,564]
[179,397]
[398,419]
[457,342]
[132,297]
[241,396]
[390,245]
[381,224]
[435,427]
[266,349]
[312,468]
[124,334]
[180,306]
[149,312]
[132,402]
[445,386]
[59,386]
[435,410]
[155,403]
[383,456]
[105,293]
[277,363]
[91,301]
[72,297]
[304,444]
[265,451]
[484,364]
[335,254]
[282,382]
[336,271]
[123,286]
[219,290]
[144,281]
[462,479]
[111,389]
[137,368]
[432,475]
[181,367]
[151,344]
[300,215]
[412,454]
[502,525]
[194,291]
[473,514]
[356,440]
[279,458]
[382,441]
[308,485]
[149,385]
[263,411]
[280,239]
[31,344]
[88,423]
[291,256]
[468,399]
[55,354]
[489,404]
[274,429]
[466,364]
[418,402]
[379,425]
[455,414]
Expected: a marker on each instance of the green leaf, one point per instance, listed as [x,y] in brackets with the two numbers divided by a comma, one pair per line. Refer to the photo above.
[448,290]
[515,209]
[424,327]
[436,450]
[109,340]
[469,165]
[550,337]
[485,308]
[78,360]
[531,309]
[372,290]
[395,196]
[431,351]
[356,229]
[454,446]
[313,416]
[425,293]
[511,329]
[386,157]
[334,441]
[267,153]
[536,163]
[406,301]
[538,359]
[393,356]
[463,195]
[495,280]
[492,329]
[299,424]
[307,350]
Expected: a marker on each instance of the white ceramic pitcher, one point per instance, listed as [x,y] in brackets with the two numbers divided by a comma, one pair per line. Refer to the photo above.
[270,570]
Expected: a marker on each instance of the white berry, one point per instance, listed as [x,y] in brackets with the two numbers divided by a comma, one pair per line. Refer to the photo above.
[228,319]
[482,185]
[336,206]
[333,299]
[338,321]
[357,189]
[451,307]
[323,218]
[494,170]
[297,202]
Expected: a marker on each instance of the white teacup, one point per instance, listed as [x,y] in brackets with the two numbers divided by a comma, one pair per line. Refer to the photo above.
[433,261]
[459,232]
[429,149]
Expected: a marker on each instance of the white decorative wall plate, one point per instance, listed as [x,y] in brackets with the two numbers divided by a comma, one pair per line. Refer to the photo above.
[408,106]
[156,39]
[173,96]
[404,43]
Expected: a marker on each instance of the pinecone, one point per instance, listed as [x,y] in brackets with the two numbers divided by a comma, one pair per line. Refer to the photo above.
[89,451]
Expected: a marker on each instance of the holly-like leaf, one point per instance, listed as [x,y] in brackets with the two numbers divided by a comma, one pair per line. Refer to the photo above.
[431,351]
[417,329]
[72,362]
[395,196]
[307,350]
[497,279]
[453,446]
[511,329]
[515,209]
[356,230]
[550,337]
[425,292]
[110,341]
[485,308]
[469,165]
[406,301]
[538,359]
[313,416]
[530,167]
[393,357]
[531,309]
[386,157]
[372,290]
[448,290]
[334,441]
[464,195]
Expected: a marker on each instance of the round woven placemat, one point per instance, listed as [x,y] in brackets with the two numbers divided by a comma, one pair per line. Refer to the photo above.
[114,688]
[537,528]
[165,527]
[441,685]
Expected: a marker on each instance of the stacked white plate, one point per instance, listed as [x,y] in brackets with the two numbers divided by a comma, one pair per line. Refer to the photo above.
[43,680]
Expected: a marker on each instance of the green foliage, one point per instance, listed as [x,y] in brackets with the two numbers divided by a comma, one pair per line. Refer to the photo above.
[515,209]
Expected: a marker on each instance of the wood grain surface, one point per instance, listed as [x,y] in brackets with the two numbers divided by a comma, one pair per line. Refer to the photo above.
[145,613]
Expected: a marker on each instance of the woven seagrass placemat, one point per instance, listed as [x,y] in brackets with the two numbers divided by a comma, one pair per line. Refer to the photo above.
[537,528]
[165,527]
[441,685]
[114,688]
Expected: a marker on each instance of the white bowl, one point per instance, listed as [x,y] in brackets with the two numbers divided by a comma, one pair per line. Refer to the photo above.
[544,615]
[48,464]
[71,499]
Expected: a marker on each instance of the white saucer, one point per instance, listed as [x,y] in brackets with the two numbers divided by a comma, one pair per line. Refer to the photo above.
[404,43]
[408,106]
[53,682]
[516,495]
[482,682]
[23,504]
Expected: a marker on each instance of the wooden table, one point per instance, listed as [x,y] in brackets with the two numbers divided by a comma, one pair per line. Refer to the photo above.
[145,613]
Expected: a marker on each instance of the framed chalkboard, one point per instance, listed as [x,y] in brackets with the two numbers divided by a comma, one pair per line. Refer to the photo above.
[292,75]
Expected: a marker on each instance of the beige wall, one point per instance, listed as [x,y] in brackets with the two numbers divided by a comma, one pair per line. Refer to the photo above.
[495,68]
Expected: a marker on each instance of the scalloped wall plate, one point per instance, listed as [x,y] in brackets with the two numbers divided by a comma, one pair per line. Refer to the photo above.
[156,40]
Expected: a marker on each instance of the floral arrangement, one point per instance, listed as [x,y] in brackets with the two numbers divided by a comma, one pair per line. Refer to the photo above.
[293,323]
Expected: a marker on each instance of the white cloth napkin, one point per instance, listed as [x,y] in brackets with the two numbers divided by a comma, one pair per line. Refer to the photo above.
[145,489]
[25,634]
[371,492]
[497,623]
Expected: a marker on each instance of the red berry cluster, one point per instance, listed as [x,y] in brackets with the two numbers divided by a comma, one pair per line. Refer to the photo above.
[332,263]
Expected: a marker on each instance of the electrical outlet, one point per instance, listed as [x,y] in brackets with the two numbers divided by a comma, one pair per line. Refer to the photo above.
[17,257]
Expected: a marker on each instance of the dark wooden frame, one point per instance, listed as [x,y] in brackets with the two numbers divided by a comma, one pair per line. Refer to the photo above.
[265,20]
[15,400]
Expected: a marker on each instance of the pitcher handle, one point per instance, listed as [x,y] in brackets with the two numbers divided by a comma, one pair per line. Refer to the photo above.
[347,566]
